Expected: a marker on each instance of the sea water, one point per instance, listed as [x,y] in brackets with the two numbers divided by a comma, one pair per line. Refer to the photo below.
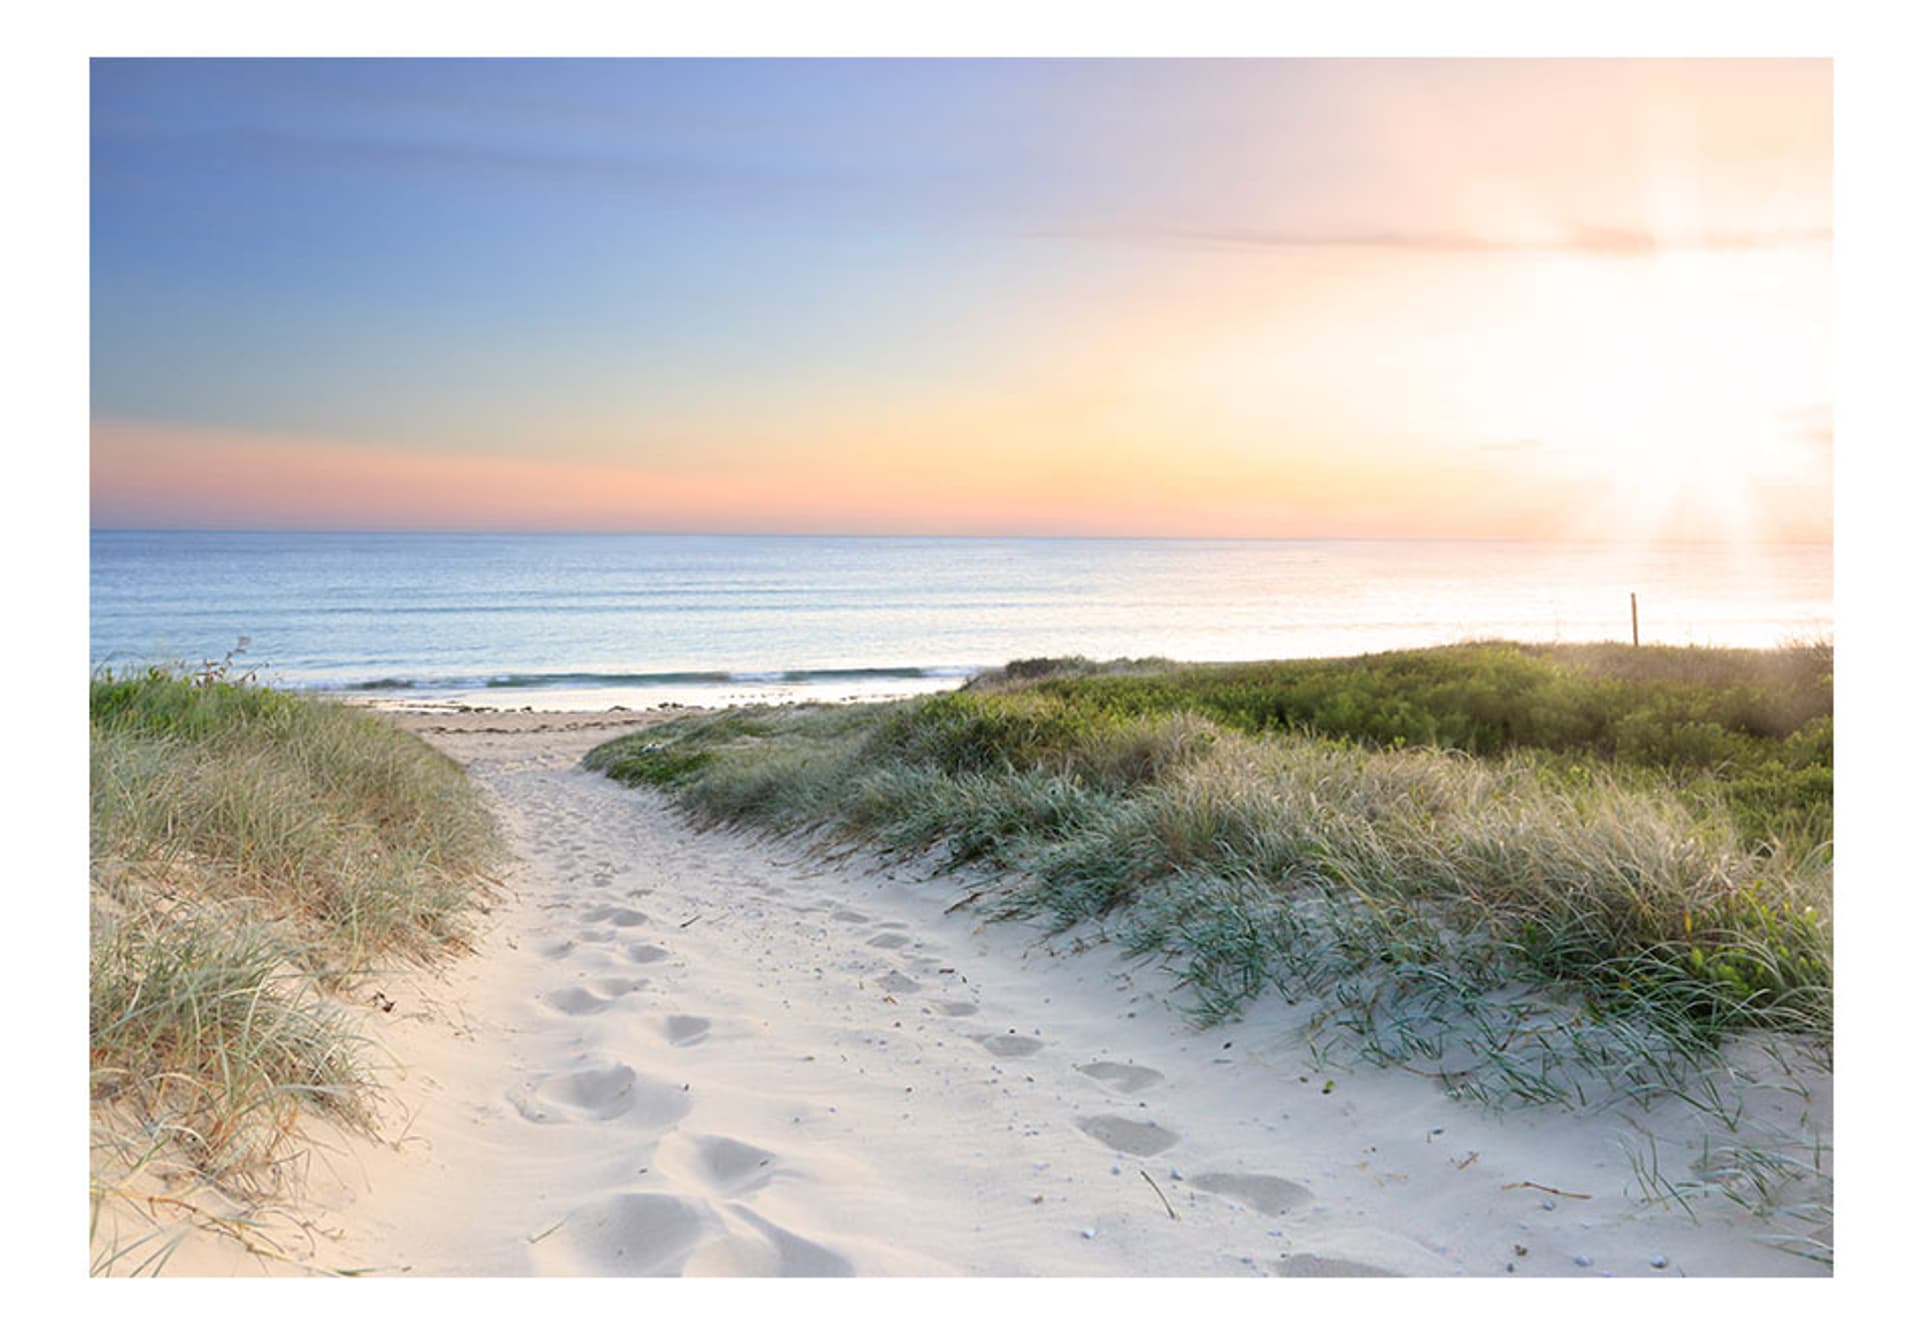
[576,620]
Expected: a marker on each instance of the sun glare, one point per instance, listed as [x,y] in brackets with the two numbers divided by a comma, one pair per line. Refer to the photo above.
[1679,401]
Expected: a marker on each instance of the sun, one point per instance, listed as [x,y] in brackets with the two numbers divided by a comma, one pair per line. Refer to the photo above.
[1677,400]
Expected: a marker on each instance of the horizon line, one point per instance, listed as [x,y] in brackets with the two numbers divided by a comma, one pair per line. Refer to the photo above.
[925,536]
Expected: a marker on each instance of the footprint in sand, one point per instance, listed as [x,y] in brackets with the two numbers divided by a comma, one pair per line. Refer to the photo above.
[620,986]
[889,940]
[645,953]
[1269,1195]
[1308,1265]
[794,1255]
[1143,1139]
[734,1167]
[628,917]
[558,949]
[1008,1044]
[956,1008]
[602,1094]
[848,915]
[576,1001]
[683,1030]
[635,1235]
[896,981]
[1124,1078]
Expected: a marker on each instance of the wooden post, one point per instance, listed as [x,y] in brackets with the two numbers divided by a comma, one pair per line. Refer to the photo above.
[1633,600]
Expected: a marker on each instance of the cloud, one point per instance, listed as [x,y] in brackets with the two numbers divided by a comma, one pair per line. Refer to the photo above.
[1601,241]
[1811,424]
[645,168]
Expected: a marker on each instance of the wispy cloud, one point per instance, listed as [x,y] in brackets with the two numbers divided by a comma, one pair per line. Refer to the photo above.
[1602,241]
[642,168]
[1811,424]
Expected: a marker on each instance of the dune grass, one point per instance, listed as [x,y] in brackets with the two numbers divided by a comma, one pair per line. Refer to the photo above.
[1539,873]
[253,856]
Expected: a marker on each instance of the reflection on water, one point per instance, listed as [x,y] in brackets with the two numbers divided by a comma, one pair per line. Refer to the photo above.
[499,616]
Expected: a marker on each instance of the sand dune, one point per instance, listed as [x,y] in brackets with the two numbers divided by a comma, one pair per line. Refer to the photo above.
[681,1053]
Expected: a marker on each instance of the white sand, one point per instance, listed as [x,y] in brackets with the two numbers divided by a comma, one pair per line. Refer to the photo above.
[681,1053]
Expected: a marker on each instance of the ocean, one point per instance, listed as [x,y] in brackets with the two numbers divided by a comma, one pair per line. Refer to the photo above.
[590,621]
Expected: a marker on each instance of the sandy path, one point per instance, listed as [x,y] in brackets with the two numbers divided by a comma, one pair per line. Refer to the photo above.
[695,1054]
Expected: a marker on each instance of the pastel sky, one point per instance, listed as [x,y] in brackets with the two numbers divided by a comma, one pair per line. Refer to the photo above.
[1284,298]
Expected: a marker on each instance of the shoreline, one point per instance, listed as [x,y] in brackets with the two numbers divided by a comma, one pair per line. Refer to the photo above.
[704,1053]
[636,699]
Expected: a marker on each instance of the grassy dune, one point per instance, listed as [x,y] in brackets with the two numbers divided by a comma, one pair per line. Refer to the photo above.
[1537,872]
[253,856]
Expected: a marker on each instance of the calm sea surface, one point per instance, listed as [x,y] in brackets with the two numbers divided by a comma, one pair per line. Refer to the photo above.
[594,620]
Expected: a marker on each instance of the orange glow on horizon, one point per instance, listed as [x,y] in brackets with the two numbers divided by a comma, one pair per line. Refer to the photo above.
[163,476]
[1522,299]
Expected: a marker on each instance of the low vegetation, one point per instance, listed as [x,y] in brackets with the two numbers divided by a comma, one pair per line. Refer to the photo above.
[254,855]
[1534,872]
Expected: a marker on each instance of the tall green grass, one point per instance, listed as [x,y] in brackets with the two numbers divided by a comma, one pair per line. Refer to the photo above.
[1749,730]
[1542,873]
[253,856]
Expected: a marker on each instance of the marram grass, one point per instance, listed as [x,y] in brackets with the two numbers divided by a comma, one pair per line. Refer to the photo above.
[254,854]
[1540,873]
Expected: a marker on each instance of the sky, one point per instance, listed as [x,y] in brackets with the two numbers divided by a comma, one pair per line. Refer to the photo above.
[1252,298]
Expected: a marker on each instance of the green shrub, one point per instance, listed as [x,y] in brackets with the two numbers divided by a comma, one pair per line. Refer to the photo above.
[1408,833]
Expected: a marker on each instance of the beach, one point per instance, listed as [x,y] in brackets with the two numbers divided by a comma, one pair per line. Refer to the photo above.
[697,1053]
[1094,668]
